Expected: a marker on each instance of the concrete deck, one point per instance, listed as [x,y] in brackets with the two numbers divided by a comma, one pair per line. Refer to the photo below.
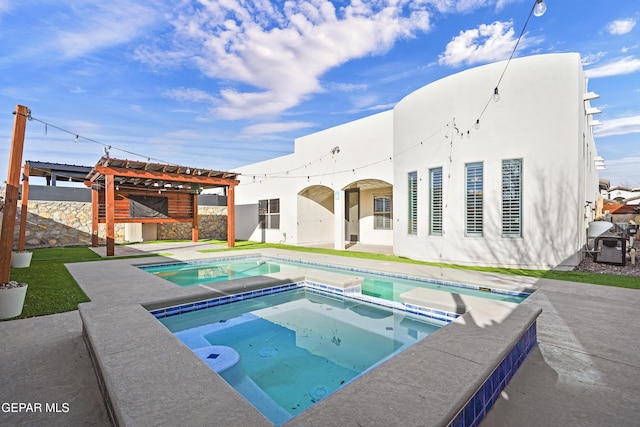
[585,371]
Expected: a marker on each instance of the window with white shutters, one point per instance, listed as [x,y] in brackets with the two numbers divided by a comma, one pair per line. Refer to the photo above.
[512,198]
[435,201]
[474,199]
[413,203]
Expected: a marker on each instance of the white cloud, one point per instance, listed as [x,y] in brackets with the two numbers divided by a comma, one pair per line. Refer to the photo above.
[272,56]
[270,128]
[620,126]
[592,58]
[190,95]
[625,65]
[184,134]
[469,5]
[102,24]
[377,107]
[347,87]
[622,171]
[487,43]
[621,26]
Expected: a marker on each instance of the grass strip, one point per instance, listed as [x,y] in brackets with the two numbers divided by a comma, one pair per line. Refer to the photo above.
[52,289]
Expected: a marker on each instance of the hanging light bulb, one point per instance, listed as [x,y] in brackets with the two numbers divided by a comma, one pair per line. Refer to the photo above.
[496,95]
[540,8]
[477,124]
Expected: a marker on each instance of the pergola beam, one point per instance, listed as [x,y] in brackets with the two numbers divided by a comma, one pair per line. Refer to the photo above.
[165,176]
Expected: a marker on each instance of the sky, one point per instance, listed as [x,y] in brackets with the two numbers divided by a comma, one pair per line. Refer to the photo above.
[222,84]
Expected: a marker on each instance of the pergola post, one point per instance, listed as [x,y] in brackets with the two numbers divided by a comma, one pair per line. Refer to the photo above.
[11,195]
[194,224]
[95,222]
[231,217]
[110,200]
[24,208]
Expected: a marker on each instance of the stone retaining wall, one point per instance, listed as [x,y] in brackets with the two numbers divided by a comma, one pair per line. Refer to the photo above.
[69,223]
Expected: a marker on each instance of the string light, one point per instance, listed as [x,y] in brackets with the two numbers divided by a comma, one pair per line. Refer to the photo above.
[539,8]
[77,137]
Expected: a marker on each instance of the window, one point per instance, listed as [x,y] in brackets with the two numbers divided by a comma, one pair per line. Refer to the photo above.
[382,213]
[435,201]
[473,202]
[413,203]
[269,213]
[512,198]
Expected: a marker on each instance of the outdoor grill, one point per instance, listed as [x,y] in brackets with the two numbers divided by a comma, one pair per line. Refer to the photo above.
[610,248]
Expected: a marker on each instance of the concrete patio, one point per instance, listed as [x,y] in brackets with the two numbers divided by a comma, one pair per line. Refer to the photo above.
[585,370]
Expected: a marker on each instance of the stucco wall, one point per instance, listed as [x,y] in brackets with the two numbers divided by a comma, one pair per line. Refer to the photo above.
[362,145]
[540,118]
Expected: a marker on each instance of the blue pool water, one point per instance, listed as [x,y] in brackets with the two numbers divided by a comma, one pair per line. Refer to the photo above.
[200,273]
[285,352]
[375,284]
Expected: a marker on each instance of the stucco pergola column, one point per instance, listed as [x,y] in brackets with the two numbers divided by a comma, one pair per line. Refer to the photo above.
[338,218]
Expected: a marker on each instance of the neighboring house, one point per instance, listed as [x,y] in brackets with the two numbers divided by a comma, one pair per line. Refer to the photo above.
[622,195]
[449,175]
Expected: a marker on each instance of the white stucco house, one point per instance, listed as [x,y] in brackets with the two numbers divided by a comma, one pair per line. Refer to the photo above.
[448,175]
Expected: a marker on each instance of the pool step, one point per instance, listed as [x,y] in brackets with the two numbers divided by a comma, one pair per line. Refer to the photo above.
[484,311]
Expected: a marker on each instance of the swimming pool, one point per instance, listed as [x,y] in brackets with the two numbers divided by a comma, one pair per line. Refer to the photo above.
[388,286]
[288,350]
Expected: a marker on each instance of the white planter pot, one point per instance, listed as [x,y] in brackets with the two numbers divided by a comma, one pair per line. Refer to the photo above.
[20,259]
[12,301]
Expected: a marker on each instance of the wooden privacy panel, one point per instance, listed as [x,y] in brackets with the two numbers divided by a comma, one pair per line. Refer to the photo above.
[180,206]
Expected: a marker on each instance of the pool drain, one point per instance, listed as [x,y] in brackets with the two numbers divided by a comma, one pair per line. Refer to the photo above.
[267,352]
[319,392]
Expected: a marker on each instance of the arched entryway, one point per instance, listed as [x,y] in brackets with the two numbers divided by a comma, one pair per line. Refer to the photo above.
[315,213]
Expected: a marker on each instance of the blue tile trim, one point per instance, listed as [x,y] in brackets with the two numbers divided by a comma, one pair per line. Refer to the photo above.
[311,287]
[482,401]
[214,302]
[199,261]
[347,268]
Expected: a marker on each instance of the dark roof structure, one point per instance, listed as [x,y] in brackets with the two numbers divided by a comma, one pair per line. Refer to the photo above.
[54,171]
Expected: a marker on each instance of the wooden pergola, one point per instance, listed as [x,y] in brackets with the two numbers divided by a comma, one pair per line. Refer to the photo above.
[129,191]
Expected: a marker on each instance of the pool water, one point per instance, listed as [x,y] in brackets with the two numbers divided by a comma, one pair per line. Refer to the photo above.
[287,351]
[190,274]
[375,285]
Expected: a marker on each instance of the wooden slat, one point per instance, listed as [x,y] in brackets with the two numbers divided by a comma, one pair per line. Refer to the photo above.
[156,176]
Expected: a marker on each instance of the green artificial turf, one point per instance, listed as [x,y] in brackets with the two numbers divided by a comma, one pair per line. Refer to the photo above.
[51,287]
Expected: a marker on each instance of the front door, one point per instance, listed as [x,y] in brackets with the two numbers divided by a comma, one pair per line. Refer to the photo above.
[352,215]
